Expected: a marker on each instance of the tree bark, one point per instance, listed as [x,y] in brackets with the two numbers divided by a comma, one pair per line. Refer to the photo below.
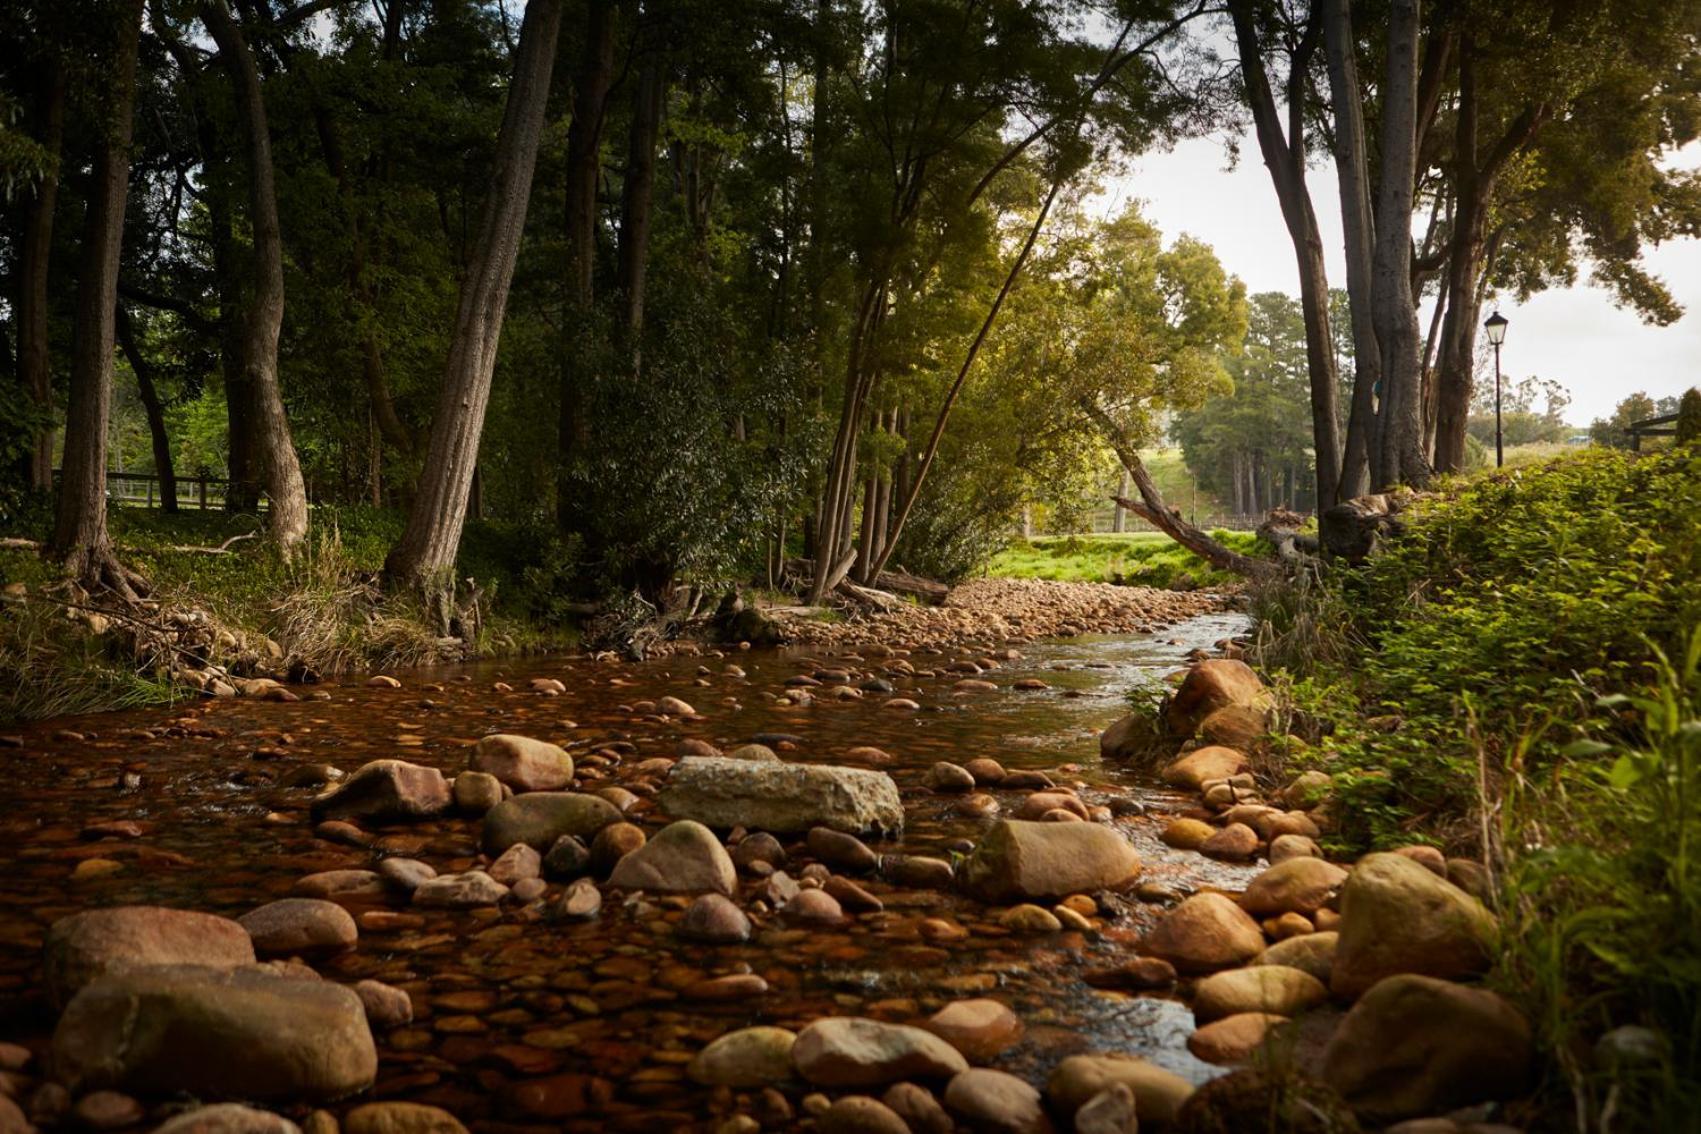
[425,556]
[584,144]
[35,370]
[80,540]
[1285,158]
[636,194]
[1352,168]
[151,406]
[1403,458]
[263,318]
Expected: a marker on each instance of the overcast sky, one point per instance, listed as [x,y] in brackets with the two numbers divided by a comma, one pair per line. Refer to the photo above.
[1576,335]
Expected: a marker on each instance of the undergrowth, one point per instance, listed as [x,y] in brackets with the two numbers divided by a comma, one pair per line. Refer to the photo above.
[1147,559]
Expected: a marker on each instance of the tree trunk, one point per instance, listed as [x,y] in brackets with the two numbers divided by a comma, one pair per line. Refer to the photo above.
[425,555]
[1285,158]
[584,144]
[35,371]
[80,539]
[636,195]
[1119,518]
[1352,168]
[143,370]
[274,448]
[1401,426]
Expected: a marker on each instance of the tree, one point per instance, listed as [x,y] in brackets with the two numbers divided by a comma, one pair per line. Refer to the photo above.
[262,319]
[424,557]
[1614,431]
[34,365]
[1689,417]
[80,539]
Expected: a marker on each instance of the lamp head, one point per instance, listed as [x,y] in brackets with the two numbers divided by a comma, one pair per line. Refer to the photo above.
[1495,325]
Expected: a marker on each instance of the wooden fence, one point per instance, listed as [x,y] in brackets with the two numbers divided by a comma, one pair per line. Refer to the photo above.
[142,490]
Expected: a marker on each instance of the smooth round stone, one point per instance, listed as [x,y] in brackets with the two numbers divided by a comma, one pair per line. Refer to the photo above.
[850,896]
[841,851]
[814,907]
[918,871]
[228,1118]
[400,1118]
[977,805]
[568,857]
[759,752]
[714,918]
[1299,885]
[851,1051]
[476,793]
[613,843]
[386,1006]
[981,1029]
[859,1114]
[107,1110]
[306,926]
[1187,834]
[406,874]
[528,890]
[758,847]
[749,1057]
[918,1108]
[985,770]
[581,901]
[1111,1111]
[733,986]
[1273,989]
[1233,1039]
[996,1101]
[460,891]
[1313,953]
[1028,918]
[684,857]
[1042,803]
[1158,1093]
[517,862]
[948,777]
[1235,843]
[1285,847]
[1205,933]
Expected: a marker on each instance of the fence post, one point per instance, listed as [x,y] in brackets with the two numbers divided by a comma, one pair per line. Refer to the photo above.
[202,481]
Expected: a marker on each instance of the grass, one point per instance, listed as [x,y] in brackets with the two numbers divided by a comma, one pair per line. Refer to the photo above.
[1149,559]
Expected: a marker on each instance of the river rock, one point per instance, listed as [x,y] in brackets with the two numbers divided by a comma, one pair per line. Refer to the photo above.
[1158,1093]
[1234,726]
[306,926]
[758,847]
[1041,803]
[84,946]
[849,1051]
[516,864]
[750,1057]
[1312,953]
[1285,847]
[400,1118]
[918,1108]
[1211,685]
[850,896]
[1187,834]
[539,818]
[674,707]
[859,1114]
[386,791]
[918,872]
[1214,762]
[713,918]
[216,1032]
[335,884]
[1297,885]
[996,1101]
[948,777]
[581,901]
[760,753]
[1020,859]
[227,1118]
[1414,1045]
[782,798]
[568,857]
[684,857]
[841,851]
[1234,843]
[981,1029]
[814,907]
[476,793]
[1129,737]
[986,771]
[386,1005]
[613,843]
[460,891]
[1398,917]
[1274,989]
[522,763]
[1204,933]
[1233,1039]
[1111,1111]
[405,874]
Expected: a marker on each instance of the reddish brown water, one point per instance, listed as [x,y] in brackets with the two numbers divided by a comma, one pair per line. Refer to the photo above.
[521,1021]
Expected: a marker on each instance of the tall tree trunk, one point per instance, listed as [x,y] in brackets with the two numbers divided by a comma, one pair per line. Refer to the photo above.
[1403,458]
[425,555]
[1352,168]
[1285,158]
[263,318]
[151,406]
[584,144]
[636,195]
[80,539]
[35,370]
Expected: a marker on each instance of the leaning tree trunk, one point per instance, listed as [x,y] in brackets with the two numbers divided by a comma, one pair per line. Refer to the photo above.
[1352,168]
[263,318]
[1401,426]
[425,556]
[34,252]
[151,406]
[80,539]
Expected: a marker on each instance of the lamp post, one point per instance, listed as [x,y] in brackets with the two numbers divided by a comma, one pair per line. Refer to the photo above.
[1495,325]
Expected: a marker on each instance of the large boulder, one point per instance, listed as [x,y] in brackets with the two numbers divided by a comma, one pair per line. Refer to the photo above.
[225,1033]
[1158,1093]
[522,763]
[1202,764]
[91,944]
[386,791]
[539,818]
[1130,737]
[1296,885]
[684,857]
[1414,1045]
[785,798]
[1211,685]
[1399,917]
[1019,860]
[1205,933]
[849,1051]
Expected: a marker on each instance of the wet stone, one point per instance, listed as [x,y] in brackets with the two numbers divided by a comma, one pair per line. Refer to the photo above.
[460,891]
[714,919]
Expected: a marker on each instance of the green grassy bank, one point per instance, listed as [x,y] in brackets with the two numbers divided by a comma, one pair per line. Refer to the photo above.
[1517,677]
[1148,559]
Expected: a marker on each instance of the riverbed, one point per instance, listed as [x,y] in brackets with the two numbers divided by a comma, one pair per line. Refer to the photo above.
[521,1021]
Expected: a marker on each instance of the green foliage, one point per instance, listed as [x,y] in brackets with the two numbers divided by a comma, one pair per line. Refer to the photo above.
[1614,431]
[1689,417]
[1146,559]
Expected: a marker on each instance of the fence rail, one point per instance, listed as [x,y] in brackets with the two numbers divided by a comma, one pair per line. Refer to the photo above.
[204,493]
[1102,521]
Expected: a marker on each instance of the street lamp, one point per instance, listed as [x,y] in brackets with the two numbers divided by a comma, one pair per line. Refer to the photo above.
[1495,325]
